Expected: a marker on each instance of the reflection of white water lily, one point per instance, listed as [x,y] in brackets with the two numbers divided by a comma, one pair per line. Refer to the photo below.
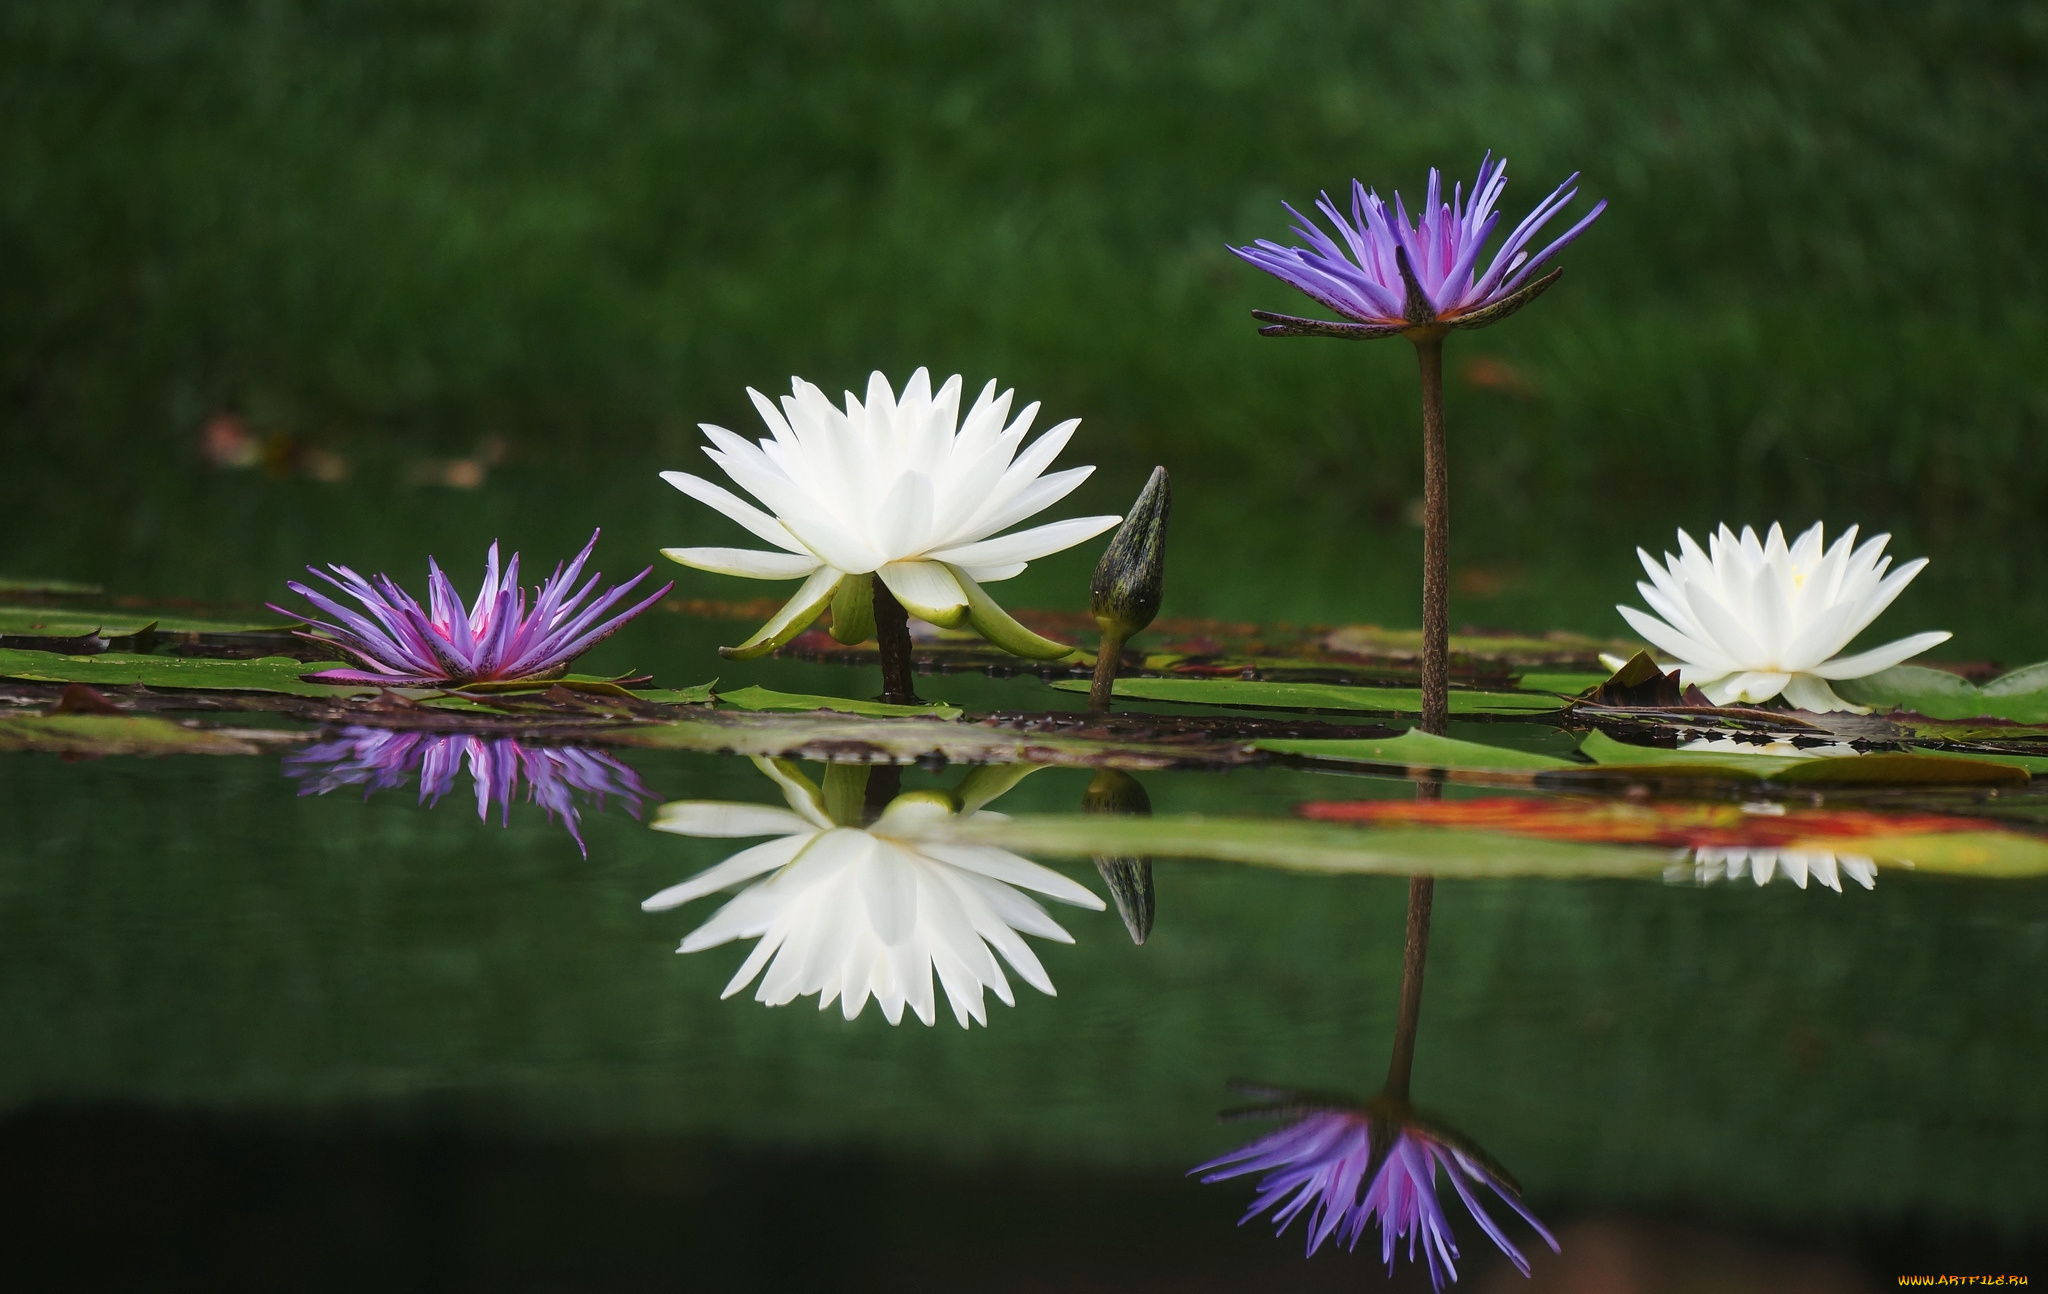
[1748,620]
[890,488]
[1711,864]
[849,911]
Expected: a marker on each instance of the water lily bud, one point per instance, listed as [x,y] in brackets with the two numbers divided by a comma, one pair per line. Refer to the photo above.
[1129,879]
[1131,577]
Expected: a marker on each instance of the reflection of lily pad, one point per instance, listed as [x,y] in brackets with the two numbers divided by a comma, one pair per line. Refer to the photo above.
[113,669]
[102,734]
[1251,694]
[1444,851]
[1878,769]
[858,738]
[761,698]
[1416,749]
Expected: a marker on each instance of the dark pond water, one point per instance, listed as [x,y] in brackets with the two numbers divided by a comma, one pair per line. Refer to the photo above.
[263,1037]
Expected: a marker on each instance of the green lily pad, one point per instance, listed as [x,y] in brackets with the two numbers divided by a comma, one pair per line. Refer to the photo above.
[1560,684]
[266,674]
[677,695]
[54,588]
[1416,749]
[70,622]
[107,734]
[2020,696]
[761,698]
[1315,696]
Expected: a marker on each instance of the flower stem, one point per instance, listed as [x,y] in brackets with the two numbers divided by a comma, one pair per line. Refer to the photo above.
[1107,657]
[892,633]
[1436,538]
[1414,952]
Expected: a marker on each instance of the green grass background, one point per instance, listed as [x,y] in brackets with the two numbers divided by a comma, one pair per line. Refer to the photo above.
[393,229]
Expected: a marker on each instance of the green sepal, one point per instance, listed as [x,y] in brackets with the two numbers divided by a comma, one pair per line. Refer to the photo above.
[795,617]
[846,793]
[853,610]
[996,625]
[990,782]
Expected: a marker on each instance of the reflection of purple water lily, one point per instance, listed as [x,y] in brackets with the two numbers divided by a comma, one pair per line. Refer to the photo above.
[497,639]
[1345,1165]
[379,759]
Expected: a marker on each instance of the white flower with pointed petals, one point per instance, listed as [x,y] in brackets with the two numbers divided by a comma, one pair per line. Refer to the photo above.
[1749,620]
[851,912]
[890,488]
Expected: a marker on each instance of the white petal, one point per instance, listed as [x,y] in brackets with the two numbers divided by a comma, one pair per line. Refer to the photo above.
[743,866]
[721,819]
[1026,545]
[1877,658]
[748,562]
[757,522]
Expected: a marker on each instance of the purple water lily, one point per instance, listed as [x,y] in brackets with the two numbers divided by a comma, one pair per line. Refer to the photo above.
[1392,276]
[1346,1165]
[379,759]
[498,639]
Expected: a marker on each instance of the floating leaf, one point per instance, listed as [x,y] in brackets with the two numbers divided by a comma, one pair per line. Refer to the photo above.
[761,698]
[1560,684]
[1935,693]
[53,588]
[1416,749]
[677,695]
[70,622]
[266,674]
[1315,696]
[100,734]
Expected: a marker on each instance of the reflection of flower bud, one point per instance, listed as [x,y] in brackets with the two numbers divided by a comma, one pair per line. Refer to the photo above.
[1132,573]
[1129,879]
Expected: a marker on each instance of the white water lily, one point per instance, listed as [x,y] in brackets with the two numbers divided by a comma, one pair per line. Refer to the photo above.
[850,912]
[889,488]
[1749,620]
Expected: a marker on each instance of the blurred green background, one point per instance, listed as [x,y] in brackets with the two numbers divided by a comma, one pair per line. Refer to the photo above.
[484,266]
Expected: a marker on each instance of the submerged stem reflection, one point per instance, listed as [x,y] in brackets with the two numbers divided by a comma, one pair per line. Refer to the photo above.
[1346,1164]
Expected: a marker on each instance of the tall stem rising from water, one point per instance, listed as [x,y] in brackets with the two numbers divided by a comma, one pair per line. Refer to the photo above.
[892,633]
[1436,538]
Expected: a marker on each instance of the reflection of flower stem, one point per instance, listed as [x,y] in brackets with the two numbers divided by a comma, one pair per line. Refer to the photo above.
[892,633]
[1414,952]
[1436,536]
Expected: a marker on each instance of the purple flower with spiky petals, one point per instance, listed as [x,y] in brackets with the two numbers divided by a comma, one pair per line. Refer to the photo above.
[379,759]
[1346,1165]
[496,640]
[1393,276]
